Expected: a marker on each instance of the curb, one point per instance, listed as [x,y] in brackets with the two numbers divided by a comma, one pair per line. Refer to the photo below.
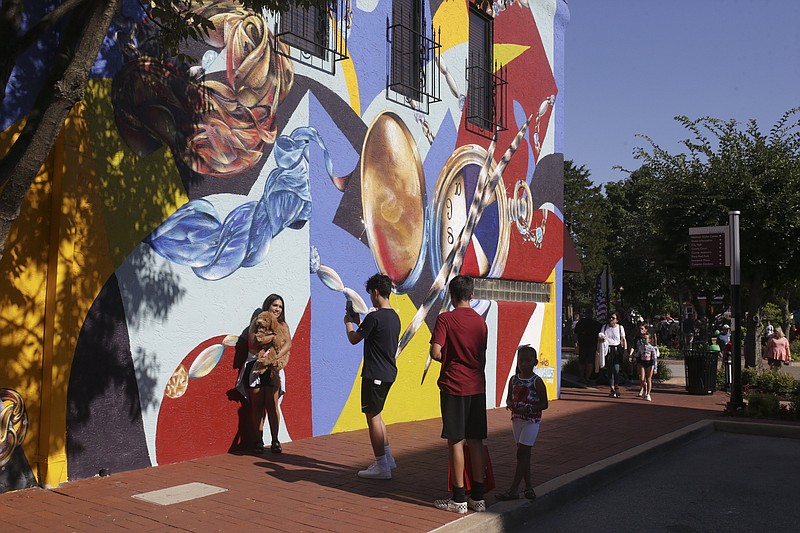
[504,516]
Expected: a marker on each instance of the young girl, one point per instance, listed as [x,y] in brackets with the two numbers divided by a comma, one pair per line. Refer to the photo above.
[647,357]
[527,398]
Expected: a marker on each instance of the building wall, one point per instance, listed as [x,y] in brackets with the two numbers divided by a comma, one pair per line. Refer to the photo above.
[158,226]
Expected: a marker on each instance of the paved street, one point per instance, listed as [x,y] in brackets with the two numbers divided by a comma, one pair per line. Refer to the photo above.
[724,482]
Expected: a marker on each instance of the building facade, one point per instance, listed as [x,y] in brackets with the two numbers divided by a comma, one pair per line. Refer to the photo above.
[297,154]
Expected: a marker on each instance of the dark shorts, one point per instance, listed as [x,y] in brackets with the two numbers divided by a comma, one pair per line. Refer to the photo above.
[373,396]
[463,417]
[586,356]
[646,364]
[257,381]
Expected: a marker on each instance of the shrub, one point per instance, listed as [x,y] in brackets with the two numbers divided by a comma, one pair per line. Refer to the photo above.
[663,373]
[571,367]
[762,405]
[794,347]
[774,382]
[749,375]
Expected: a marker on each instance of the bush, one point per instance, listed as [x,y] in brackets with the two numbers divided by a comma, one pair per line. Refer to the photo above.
[571,367]
[762,405]
[663,373]
[774,382]
[749,375]
[794,347]
[669,353]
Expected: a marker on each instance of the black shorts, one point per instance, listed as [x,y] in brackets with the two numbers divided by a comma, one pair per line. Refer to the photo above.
[586,356]
[463,417]
[256,381]
[373,396]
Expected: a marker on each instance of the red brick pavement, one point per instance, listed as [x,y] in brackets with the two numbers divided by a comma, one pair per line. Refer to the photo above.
[312,486]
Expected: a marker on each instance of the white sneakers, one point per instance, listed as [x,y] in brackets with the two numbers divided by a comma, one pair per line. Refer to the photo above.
[450,505]
[647,397]
[478,506]
[374,471]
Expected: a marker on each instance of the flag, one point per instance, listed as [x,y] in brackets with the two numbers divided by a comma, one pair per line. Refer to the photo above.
[601,291]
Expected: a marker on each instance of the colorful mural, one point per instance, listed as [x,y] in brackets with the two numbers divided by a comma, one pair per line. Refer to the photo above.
[179,196]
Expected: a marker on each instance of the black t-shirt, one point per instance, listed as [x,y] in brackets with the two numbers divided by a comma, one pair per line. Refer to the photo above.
[381,332]
[586,331]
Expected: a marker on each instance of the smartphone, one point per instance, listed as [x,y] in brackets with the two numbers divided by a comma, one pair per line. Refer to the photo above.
[350,311]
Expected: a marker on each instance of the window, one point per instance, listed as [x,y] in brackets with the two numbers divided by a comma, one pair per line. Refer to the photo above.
[485,83]
[412,78]
[306,29]
[506,290]
[315,37]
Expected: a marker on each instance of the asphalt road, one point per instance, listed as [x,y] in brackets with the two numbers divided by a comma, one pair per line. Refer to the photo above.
[725,482]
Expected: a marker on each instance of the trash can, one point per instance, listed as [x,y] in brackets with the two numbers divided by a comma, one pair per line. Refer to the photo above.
[701,371]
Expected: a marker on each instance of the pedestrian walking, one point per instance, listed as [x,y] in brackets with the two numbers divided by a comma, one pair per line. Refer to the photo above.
[612,340]
[646,360]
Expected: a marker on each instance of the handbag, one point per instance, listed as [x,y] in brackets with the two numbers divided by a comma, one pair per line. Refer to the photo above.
[488,479]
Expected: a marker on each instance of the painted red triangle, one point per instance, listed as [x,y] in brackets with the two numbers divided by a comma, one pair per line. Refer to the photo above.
[514,316]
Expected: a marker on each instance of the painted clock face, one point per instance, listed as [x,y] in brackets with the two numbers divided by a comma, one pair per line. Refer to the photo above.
[453,195]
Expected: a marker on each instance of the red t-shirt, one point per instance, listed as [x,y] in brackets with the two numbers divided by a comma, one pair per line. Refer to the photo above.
[462,335]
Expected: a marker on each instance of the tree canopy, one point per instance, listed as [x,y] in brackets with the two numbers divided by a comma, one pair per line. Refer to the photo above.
[725,166]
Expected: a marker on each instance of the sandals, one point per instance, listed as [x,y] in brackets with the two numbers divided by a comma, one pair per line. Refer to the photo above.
[258,447]
[509,495]
[276,447]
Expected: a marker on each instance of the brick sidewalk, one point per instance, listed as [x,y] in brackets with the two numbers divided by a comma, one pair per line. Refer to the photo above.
[312,486]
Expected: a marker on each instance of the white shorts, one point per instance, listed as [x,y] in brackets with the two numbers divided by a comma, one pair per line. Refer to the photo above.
[525,431]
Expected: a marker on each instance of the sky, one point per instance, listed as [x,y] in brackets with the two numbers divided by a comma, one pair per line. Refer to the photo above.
[633,65]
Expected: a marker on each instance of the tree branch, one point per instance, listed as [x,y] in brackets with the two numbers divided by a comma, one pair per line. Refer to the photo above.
[79,48]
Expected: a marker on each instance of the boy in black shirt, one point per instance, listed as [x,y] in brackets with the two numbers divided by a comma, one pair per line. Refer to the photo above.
[380,330]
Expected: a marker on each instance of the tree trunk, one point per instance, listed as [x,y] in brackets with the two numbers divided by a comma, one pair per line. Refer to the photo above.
[18,168]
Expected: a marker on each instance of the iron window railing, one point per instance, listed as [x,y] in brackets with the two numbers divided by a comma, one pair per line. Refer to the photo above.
[412,77]
[315,37]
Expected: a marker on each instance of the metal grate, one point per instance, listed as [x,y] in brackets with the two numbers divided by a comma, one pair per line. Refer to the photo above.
[314,37]
[486,82]
[412,78]
[506,290]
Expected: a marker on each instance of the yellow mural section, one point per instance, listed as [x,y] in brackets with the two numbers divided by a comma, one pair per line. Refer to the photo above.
[506,53]
[408,400]
[56,262]
[138,193]
[547,345]
[90,205]
[453,20]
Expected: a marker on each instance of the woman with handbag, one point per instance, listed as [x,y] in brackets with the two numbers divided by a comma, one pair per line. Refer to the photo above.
[613,335]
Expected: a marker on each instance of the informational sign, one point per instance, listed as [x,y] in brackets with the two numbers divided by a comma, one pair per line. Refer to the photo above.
[707,247]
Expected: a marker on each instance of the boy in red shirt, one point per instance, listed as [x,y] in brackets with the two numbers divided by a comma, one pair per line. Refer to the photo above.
[459,343]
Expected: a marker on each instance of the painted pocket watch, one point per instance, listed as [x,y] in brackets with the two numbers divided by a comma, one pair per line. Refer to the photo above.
[455,188]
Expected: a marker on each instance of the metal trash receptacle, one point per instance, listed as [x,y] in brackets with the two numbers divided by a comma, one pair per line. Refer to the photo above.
[700,366]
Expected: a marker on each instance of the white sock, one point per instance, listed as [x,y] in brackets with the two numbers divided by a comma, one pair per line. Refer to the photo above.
[383,462]
[387,450]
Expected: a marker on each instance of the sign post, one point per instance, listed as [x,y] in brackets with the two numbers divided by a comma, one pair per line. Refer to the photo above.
[716,246]
[736,329]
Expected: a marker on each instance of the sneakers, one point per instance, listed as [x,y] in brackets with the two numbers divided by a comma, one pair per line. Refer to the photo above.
[648,398]
[374,471]
[641,393]
[454,507]
[478,506]
[392,464]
